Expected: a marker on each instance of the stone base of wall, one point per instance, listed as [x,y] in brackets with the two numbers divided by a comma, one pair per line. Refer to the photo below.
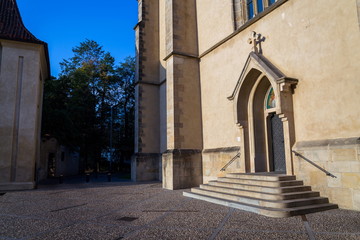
[341,157]
[215,159]
[15,186]
[145,167]
[181,168]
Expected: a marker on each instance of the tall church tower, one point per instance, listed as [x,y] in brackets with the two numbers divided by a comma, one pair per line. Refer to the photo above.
[146,160]
[168,135]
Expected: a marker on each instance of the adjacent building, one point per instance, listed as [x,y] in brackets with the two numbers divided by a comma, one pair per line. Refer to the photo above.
[24,65]
[56,160]
[261,80]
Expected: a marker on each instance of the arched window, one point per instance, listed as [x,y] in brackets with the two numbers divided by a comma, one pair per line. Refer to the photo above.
[270,100]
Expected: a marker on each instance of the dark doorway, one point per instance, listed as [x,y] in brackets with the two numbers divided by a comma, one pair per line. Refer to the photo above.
[276,144]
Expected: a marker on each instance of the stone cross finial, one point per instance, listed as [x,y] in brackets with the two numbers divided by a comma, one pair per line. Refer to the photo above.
[256,40]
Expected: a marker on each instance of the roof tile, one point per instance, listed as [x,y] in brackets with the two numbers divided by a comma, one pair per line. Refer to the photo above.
[11,24]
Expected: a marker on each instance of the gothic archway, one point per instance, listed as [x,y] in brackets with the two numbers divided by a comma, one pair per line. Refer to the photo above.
[258,128]
[257,122]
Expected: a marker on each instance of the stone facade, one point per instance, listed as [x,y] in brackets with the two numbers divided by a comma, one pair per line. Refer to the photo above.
[205,90]
[147,113]
[341,157]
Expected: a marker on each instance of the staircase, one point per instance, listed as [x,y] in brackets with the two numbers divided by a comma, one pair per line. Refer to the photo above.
[269,194]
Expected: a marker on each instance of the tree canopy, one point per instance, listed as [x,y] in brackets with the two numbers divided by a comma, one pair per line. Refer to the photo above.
[90,107]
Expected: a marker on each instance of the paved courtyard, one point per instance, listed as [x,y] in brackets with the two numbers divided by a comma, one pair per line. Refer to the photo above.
[126,210]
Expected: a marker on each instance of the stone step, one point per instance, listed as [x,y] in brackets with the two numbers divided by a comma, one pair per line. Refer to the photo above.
[258,188]
[266,211]
[260,194]
[274,195]
[262,202]
[262,176]
[261,182]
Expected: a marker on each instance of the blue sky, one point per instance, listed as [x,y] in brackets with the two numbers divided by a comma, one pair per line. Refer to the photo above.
[63,24]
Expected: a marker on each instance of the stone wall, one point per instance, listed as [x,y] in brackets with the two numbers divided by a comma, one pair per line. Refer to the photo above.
[181,162]
[145,162]
[145,167]
[340,157]
[214,160]
[181,169]
[201,54]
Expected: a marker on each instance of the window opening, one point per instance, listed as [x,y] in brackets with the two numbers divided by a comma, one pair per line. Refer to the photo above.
[270,99]
[256,7]
[271,2]
[260,6]
[250,8]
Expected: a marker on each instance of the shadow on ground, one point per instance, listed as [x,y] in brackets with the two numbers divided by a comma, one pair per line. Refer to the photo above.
[127,210]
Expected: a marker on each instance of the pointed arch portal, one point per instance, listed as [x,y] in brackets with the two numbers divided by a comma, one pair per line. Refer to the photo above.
[263,111]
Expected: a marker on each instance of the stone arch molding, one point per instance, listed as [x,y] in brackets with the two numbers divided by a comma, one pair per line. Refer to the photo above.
[256,70]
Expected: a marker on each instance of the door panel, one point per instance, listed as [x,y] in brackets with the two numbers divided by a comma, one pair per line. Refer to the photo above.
[277,140]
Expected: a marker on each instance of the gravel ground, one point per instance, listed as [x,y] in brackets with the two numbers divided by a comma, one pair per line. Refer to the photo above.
[126,210]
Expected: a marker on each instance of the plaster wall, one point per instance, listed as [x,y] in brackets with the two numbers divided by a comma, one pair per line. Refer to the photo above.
[20,105]
[358,10]
[215,21]
[304,44]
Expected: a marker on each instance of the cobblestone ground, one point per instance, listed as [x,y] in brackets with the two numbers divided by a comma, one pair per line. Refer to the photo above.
[125,210]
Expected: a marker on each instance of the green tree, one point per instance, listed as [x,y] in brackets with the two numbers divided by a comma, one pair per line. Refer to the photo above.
[91,102]
[126,106]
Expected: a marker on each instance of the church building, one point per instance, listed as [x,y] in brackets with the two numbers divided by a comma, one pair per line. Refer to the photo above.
[24,65]
[250,102]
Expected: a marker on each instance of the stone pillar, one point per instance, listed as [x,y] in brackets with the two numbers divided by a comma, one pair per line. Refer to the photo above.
[145,161]
[181,163]
[286,88]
